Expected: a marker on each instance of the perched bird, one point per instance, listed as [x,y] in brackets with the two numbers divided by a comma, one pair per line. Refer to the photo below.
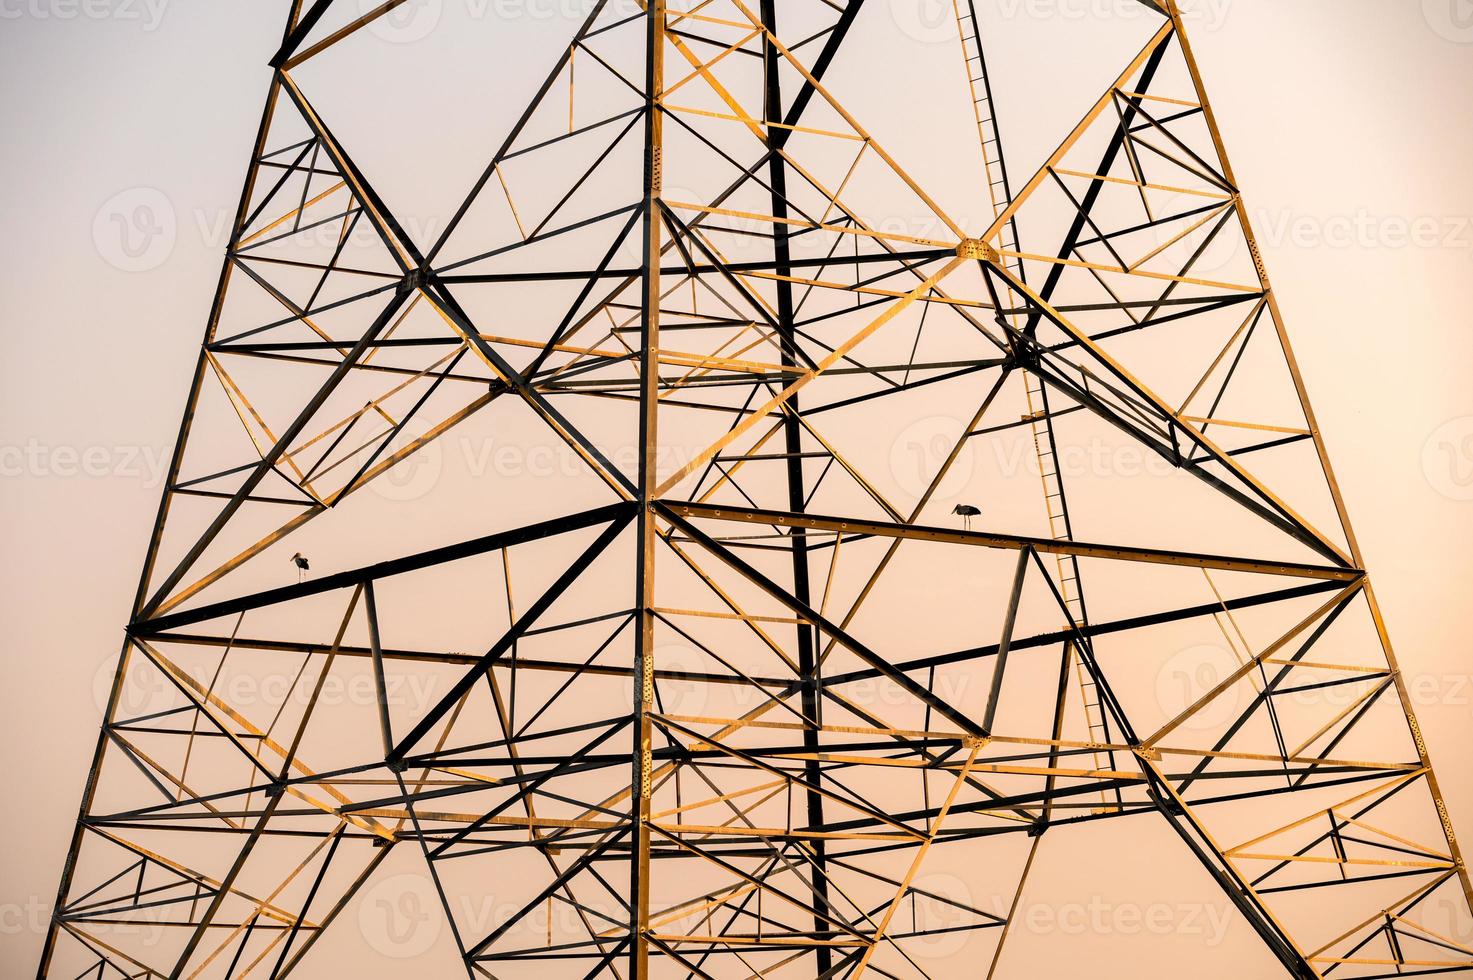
[302,567]
[966,512]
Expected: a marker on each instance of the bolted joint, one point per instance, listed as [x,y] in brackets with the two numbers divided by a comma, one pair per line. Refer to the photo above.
[654,168]
[415,279]
[976,248]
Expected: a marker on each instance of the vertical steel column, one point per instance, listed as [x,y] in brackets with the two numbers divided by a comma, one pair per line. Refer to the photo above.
[793,449]
[648,480]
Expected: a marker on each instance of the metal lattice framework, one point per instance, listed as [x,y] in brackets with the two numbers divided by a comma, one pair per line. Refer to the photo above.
[720,706]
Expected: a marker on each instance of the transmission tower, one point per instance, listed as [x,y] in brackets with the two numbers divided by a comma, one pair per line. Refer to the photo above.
[818,635]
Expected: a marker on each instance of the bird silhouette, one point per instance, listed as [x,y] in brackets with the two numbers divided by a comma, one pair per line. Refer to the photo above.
[302,567]
[966,512]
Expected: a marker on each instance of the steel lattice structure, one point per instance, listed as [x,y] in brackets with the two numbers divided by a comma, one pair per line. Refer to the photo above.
[720,706]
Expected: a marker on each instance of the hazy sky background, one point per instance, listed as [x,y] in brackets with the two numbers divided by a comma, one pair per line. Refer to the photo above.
[1347,122]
